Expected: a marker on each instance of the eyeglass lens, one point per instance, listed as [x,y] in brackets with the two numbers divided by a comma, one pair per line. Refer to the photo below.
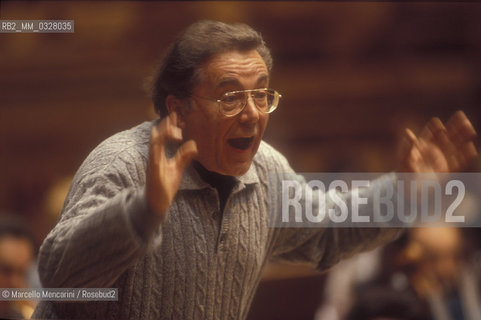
[233,102]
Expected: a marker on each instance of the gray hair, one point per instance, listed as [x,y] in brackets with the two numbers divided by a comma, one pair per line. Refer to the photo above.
[179,69]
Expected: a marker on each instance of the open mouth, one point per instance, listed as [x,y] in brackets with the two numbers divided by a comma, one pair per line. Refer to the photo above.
[241,143]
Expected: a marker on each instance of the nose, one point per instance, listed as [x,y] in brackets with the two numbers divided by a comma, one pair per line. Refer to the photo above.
[250,114]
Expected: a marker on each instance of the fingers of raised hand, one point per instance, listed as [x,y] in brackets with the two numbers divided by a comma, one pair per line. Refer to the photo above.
[441,138]
[408,141]
[164,173]
[185,153]
[462,134]
[460,128]
[431,128]
[423,155]
[164,131]
[410,155]
[454,139]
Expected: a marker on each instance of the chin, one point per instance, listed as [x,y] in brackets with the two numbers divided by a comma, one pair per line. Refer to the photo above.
[234,170]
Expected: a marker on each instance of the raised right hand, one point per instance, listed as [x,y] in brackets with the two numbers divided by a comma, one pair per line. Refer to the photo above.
[164,174]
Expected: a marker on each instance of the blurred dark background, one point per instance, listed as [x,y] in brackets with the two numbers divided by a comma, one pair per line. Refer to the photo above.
[352,76]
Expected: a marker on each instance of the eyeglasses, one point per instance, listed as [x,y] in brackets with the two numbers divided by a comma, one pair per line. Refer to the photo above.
[233,102]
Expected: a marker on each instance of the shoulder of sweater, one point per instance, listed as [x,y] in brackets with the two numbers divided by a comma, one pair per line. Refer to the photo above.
[128,147]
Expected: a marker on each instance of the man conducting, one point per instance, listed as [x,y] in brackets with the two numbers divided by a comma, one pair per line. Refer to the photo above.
[184,239]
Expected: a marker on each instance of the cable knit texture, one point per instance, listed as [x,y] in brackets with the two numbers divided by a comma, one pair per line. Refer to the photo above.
[199,264]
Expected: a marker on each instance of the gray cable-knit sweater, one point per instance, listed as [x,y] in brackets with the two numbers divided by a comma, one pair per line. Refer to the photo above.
[198,264]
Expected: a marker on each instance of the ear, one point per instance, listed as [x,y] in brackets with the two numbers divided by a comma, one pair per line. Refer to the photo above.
[176,105]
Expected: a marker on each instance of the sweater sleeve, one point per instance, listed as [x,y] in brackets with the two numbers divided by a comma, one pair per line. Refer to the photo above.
[323,246]
[105,227]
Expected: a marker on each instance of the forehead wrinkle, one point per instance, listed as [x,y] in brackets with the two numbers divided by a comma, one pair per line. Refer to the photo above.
[234,81]
[244,69]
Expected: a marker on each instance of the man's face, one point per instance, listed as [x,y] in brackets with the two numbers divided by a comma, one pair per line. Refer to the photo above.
[16,257]
[227,145]
[442,258]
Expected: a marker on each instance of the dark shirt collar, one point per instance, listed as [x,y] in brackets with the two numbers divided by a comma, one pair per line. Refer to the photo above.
[192,180]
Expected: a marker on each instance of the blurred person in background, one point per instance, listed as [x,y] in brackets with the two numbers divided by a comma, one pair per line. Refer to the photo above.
[441,274]
[17,261]
[425,275]
[342,281]
[185,239]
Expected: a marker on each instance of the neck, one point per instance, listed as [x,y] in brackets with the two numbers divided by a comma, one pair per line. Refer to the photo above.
[213,178]
[223,184]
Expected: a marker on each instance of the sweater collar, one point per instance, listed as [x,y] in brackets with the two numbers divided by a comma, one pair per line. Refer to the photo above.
[191,179]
